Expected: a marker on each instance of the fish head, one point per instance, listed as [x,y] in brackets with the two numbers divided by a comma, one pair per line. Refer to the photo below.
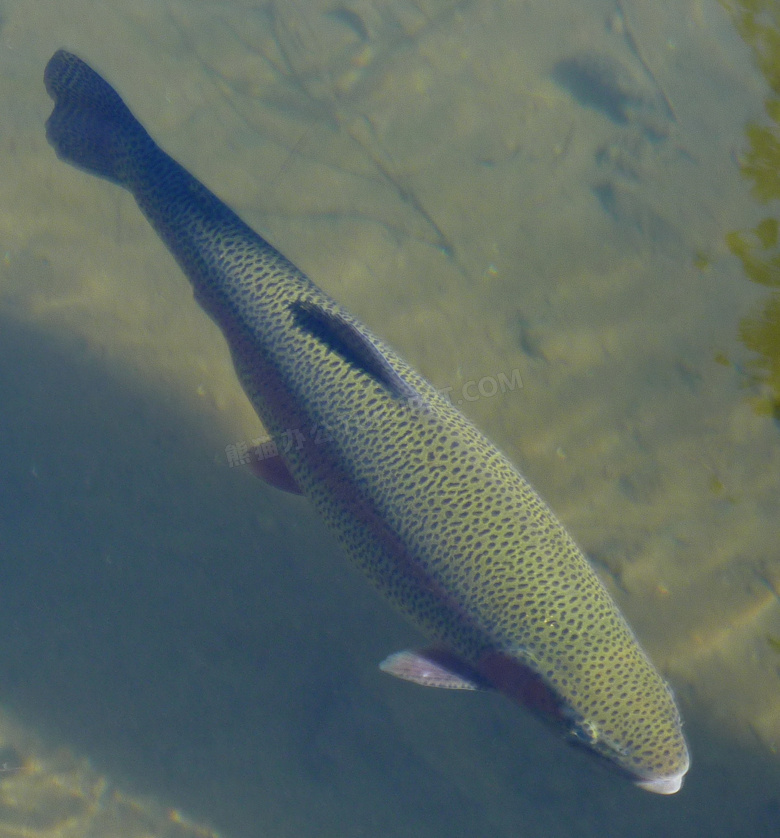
[652,764]
[625,714]
[620,710]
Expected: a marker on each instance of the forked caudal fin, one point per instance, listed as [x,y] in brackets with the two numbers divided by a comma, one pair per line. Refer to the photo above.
[90,126]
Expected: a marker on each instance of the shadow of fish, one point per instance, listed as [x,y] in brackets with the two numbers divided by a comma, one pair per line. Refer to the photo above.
[435,515]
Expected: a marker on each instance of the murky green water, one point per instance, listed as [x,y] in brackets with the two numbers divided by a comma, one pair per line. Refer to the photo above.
[580,197]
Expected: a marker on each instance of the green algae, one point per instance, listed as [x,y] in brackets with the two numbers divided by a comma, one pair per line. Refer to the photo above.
[758,22]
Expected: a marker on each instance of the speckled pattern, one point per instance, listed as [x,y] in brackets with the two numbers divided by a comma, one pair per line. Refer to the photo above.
[433,513]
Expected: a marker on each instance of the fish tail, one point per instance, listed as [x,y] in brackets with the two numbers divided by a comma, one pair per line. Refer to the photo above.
[90,126]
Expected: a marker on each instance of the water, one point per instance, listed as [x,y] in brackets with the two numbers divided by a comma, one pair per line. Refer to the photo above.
[562,196]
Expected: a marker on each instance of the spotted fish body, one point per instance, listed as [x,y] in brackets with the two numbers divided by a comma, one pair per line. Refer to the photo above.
[439,520]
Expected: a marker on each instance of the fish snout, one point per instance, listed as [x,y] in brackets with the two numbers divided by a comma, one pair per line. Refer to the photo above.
[663,785]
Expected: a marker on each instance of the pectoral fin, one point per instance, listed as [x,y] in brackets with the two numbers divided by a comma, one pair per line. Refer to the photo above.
[434,667]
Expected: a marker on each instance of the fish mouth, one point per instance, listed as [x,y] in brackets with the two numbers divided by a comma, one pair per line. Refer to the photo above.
[662,785]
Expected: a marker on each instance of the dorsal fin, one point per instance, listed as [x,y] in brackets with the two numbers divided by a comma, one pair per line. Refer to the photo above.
[340,335]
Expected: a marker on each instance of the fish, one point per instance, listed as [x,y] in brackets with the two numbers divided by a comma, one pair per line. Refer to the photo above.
[438,519]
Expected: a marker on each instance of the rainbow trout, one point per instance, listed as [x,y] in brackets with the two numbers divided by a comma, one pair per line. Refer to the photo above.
[437,518]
